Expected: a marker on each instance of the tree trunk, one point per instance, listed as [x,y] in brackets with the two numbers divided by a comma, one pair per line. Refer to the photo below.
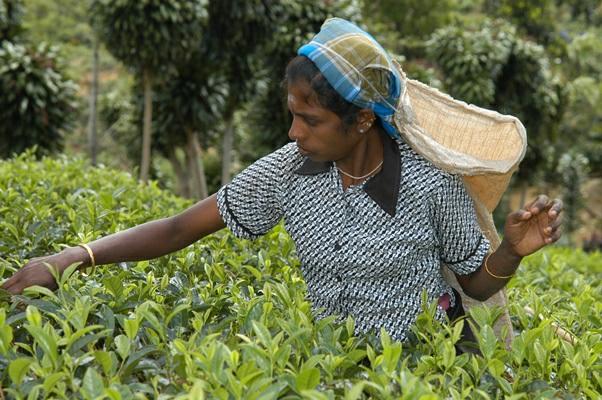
[199,182]
[92,138]
[227,149]
[181,174]
[193,182]
[146,133]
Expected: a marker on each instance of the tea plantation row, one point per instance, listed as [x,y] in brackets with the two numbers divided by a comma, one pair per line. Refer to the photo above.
[228,319]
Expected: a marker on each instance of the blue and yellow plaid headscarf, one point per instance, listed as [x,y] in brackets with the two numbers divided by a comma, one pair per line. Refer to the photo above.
[358,68]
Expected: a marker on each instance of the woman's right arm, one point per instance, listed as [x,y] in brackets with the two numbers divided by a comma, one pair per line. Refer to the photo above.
[149,240]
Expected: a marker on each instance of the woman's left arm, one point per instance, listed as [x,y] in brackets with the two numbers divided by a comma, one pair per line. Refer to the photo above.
[525,231]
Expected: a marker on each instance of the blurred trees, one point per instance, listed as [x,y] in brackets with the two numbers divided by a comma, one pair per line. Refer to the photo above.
[37,100]
[494,68]
[150,37]
[11,12]
[237,67]
[583,119]
[217,81]
[535,17]
[412,18]
[236,32]
[538,60]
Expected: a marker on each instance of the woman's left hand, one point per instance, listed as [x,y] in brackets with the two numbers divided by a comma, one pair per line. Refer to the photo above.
[534,226]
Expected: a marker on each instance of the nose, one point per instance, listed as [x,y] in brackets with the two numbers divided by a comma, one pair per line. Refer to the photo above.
[295,131]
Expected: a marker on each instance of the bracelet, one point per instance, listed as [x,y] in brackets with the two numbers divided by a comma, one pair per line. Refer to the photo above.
[492,274]
[91,254]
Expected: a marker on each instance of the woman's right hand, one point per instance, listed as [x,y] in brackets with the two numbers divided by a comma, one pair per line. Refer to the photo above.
[36,272]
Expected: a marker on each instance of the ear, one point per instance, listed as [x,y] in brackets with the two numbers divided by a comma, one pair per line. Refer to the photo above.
[365,119]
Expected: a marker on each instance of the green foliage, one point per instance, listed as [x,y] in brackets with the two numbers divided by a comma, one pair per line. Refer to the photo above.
[585,53]
[582,125]
[535,17]
[227,318]
[147,35]
[573,169]
[412,18]
[11,13]
[64,21]
[192,99]
[494,68]
[236,31]
[153,37]
[37,103]
[584,120]
[471,61]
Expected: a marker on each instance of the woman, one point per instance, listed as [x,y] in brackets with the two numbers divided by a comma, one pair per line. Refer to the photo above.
[371,218]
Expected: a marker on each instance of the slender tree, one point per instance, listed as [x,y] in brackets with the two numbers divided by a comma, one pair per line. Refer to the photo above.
[150,37]
[189,106]
[236,31]
[92,118]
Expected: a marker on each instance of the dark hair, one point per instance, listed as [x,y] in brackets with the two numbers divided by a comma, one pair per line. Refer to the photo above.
[303,68]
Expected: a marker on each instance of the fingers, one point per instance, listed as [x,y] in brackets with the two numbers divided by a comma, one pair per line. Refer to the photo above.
[33,273]
[553,225]
[518,216]
[12,284]
[556,208]
[14,279]
[10,281]
[554,236]
[540,203]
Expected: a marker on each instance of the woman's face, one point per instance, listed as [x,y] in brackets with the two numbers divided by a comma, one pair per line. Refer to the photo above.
[319,132]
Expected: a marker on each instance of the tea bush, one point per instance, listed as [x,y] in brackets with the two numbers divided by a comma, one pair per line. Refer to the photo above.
[226,318]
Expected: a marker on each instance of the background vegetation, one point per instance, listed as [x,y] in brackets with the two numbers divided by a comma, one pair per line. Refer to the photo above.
[77,80]
[216,99]
[227,318]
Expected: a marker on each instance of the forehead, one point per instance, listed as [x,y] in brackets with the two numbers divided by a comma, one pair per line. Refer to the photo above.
[301,97]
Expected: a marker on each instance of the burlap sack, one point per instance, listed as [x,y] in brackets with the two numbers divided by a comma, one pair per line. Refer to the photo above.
[483,146]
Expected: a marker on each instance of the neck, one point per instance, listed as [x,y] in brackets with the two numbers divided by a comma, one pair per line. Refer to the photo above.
[365,156]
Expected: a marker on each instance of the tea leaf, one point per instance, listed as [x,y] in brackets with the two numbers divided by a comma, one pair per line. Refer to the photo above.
[40,290]
[18,368]
[92,385]
[45,340]
[6,333]
[51,380]
[308,378]
[123,346]
[105,360]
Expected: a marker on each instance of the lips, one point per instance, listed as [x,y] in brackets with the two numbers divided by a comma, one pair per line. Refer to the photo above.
[302,150]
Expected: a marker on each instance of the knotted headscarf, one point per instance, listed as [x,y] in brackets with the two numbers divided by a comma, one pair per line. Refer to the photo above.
[358,68]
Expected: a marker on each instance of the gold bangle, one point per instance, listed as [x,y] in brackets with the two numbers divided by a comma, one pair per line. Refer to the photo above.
[91,254]
[492,274]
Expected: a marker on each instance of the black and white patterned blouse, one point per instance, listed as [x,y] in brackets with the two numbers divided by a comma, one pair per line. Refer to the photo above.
[370,250]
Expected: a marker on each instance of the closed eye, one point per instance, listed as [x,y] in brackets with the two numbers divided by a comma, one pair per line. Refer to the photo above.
[311,121]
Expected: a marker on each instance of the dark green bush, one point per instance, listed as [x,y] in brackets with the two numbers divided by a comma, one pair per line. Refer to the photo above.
[37,103]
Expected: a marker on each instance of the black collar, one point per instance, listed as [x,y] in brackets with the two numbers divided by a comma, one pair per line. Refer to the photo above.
[383,187]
